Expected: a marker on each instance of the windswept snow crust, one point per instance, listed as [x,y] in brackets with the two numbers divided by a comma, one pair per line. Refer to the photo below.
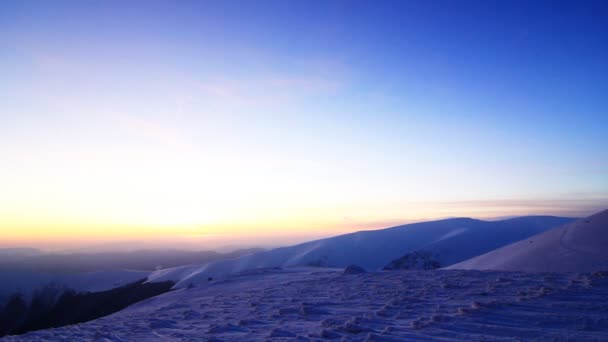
[449,241]
[581,246]
[310,304]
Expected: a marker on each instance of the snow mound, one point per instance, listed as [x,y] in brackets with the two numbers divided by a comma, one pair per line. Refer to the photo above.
[581,246]
[450,241]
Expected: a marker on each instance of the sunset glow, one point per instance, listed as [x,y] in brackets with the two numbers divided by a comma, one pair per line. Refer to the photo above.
[190,122]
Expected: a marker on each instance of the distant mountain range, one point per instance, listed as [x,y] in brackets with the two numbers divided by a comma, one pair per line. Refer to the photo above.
[33,260]
[25,270]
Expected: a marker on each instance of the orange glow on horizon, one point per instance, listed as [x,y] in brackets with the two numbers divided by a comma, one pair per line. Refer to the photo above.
[23,232]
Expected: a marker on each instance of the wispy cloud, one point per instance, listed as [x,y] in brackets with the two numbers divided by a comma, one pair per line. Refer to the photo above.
[565,205]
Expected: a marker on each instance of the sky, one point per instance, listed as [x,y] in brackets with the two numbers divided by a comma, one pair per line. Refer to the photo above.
[252,122]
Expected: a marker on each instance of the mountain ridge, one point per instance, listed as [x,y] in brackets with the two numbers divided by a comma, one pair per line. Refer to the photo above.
[579,246]
[373,249]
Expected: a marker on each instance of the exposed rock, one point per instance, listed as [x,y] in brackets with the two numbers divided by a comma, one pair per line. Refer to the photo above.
[354,269]
[416,260]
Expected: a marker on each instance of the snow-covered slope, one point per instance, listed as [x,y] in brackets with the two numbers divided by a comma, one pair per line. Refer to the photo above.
[451,240]
[320,304]
[581,246]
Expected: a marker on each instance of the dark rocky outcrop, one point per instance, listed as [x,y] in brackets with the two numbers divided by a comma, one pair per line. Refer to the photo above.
[416,260]
[354,269]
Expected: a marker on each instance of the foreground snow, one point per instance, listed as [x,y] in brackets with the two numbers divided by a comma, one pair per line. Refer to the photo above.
[309,304]
[581,246]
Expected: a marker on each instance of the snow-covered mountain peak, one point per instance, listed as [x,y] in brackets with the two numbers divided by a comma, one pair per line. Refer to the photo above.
[580,246]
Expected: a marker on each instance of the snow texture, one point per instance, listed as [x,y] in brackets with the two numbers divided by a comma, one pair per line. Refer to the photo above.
[310,304]
[581,246]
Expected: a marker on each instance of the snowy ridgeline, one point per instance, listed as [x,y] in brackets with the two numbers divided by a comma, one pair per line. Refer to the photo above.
[26,270]
[309,304]
[446,242]
[581,246]
[443,243]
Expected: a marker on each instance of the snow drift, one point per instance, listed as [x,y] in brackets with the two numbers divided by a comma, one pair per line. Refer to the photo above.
[581,246]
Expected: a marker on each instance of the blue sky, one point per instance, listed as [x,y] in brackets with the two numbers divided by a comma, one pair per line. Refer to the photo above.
[284,118]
